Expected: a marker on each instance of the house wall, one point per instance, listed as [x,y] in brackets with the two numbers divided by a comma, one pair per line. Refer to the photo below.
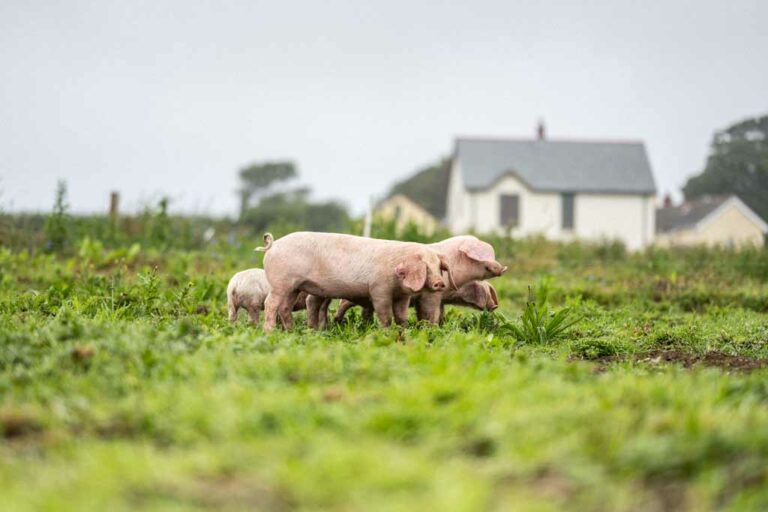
[539,213]
[628,218]
[406,211]
[729,228]
[457,207]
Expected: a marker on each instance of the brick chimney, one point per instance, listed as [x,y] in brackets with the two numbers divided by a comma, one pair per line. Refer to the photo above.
[541,131]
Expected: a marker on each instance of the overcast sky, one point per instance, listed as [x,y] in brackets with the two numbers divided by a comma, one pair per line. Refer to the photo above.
[153,98]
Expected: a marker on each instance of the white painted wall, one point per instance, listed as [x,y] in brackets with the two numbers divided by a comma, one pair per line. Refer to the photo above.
[539,213]
[629,218]
[457,209]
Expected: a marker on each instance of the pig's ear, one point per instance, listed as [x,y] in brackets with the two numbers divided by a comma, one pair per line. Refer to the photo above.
[477,250]
[413,273]
[473,294]
[494,297]
[445,267]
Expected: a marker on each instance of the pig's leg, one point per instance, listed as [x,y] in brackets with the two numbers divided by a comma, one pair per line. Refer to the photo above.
[232,312]
[271,306]
[322,315]
[285,309]
[253,313]
[344,305]
[367,315]
[314,303]
[442,313]
[429,307]
[382,304]
[400,308]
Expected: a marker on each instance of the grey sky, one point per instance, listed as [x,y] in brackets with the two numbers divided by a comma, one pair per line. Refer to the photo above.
[173,97]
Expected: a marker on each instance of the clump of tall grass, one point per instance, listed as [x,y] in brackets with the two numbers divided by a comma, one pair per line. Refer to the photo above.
[539,324]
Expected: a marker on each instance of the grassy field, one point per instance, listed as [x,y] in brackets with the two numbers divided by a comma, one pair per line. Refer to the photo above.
[123,387]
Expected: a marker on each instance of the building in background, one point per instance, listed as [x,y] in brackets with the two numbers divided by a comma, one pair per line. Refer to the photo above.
[562,189]
[710,220]
[403,211]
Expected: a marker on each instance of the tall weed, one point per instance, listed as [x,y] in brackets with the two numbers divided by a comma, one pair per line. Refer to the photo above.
[539,325]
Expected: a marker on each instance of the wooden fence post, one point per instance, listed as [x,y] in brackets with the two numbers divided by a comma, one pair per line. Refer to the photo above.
[114,203]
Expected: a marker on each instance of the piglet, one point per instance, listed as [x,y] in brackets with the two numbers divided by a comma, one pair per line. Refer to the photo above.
[480,295]
[471,259]
[249,290]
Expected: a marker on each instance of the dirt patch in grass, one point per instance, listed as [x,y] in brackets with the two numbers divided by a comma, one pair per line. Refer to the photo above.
[545,482]
[216,493]
[18,424]
[687,360]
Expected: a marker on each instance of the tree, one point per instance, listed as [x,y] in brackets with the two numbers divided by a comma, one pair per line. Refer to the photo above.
[286,209]
[293,209]
[256,179]
[737,164]
[428,187]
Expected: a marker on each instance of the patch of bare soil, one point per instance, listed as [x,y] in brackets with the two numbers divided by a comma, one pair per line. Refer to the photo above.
[216,493]
[689,360]
[18,424]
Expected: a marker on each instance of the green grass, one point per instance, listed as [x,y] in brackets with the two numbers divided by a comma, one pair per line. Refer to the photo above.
[123,387]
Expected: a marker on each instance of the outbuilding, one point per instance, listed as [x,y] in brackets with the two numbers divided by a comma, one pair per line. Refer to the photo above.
[724,221]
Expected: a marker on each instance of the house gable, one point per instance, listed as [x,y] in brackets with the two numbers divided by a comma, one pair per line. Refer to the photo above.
[538,213]
[403,210]
[720,220]
[745,213]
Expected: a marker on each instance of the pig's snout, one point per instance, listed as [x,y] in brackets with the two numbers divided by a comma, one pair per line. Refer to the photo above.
[496,269]
[437,284]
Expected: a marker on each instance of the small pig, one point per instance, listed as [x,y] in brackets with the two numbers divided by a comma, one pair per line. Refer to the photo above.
[331,265]
[470,259]
[248,290]
[480,295]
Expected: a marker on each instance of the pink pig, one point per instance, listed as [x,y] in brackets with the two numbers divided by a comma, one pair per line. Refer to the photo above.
[333,265]
[248,290]
[470,259]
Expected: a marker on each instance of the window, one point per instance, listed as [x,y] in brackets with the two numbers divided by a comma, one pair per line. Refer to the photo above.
[568,201]
[510,210]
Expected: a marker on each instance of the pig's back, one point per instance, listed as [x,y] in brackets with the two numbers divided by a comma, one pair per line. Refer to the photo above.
[327,264]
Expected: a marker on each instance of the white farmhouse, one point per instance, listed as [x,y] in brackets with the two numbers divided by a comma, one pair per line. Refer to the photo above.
[562,189]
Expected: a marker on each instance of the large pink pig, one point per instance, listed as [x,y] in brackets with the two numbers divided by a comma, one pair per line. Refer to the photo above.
[333,265]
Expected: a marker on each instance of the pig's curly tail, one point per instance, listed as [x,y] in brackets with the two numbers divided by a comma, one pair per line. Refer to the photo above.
[268,239]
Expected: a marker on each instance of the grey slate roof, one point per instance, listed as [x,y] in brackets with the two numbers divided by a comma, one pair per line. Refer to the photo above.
[557,166]
[688,214]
